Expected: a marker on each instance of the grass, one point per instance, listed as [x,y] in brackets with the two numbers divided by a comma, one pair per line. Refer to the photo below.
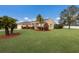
[58,40]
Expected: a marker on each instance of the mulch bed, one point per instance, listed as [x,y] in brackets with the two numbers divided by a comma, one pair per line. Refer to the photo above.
[9,36]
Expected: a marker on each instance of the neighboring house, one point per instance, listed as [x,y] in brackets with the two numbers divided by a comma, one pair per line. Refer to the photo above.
[35,24]
[24,25]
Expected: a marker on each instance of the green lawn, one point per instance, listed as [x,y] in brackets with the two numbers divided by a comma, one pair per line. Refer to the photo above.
[58,40]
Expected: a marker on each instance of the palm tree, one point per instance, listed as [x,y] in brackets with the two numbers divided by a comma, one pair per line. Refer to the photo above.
[1,22]
[5,22]
[12,24]
[40,20]
[8,22]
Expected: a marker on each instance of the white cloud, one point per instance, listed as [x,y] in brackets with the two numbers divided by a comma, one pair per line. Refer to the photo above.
[19,21]
[26,18]
[29,19]
[47,17]
[23,19]
[57,19]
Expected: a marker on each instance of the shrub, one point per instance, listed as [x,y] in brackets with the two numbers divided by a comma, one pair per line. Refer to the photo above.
[58,26]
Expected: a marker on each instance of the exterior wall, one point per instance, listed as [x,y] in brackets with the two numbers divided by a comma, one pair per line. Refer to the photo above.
[37,24]
[51,24]
[23,25]
[19,26]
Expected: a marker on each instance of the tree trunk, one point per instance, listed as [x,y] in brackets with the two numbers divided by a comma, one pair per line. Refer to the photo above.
[69,26]
[6,30]
[12,30]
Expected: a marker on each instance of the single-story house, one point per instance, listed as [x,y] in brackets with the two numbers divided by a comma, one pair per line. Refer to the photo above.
[22,25]
[35,24]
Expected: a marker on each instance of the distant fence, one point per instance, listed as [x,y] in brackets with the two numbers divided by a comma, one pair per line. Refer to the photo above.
[72,27]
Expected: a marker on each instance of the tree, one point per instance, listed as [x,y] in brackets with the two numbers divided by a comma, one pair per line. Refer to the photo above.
[77,17]
[8,23]
[5,22]
[69,15]
[40,20]
[0,23]
[12,24]
[63,17]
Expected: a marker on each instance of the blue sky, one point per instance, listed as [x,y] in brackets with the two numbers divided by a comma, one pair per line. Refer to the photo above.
[29,12]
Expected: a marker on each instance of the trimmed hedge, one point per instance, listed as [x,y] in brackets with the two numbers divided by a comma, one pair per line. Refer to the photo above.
[58,26]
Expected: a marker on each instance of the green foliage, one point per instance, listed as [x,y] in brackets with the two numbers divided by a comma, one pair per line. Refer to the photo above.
[58,26]
[7,23]
[69,15]
[40,19]
[1,23]
[77,17]
[72,10]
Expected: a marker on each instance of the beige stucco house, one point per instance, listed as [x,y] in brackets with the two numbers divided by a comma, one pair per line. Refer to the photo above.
[50,23]
[36,24]
[24,24]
